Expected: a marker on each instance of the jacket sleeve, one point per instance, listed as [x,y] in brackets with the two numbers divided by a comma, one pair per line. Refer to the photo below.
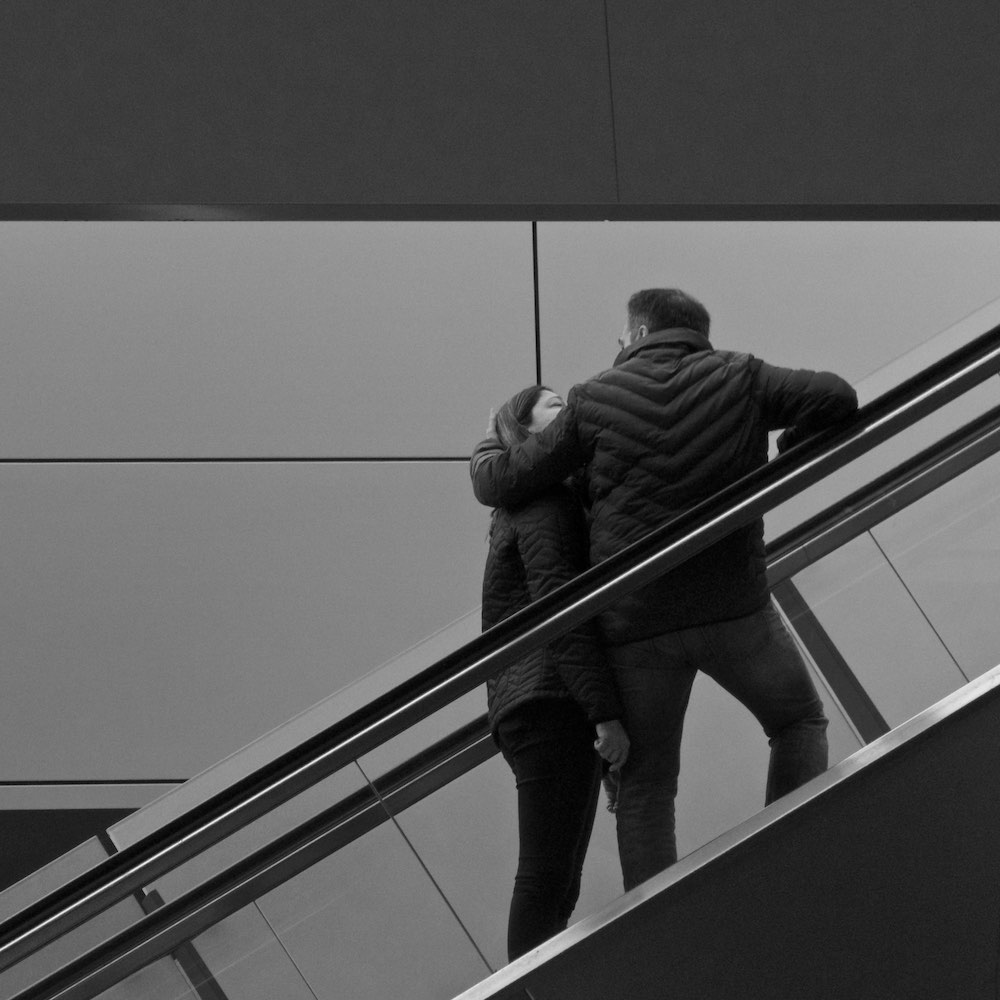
[804,402]
[510,477]
[553,550]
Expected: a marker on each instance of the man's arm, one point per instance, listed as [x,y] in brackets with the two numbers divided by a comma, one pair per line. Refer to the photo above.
[802,401]
[553,551]
[508,478]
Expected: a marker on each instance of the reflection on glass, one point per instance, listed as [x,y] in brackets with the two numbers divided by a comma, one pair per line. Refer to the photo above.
[879,630]
[365,922]
[163,980]
[946,550]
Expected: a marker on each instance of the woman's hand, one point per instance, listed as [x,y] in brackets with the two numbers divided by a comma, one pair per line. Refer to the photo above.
[612,743]
[610,781]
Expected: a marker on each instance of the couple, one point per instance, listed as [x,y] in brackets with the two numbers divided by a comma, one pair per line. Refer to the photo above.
[670,423]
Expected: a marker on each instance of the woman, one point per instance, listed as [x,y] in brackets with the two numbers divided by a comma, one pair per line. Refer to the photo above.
[545,708]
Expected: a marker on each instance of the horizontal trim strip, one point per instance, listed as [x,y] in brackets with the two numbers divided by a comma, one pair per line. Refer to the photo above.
[232,459]
[69,782]
[528,212]
[81,795]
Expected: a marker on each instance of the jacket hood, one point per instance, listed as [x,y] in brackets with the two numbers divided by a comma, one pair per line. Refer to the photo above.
[678,337]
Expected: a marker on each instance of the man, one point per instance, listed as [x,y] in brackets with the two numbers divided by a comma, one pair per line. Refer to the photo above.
[671,423]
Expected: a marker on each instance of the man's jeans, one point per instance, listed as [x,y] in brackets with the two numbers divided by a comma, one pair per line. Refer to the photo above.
[754,659]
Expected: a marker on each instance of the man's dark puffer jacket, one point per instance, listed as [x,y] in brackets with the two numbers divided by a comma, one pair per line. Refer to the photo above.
[672,422]
[533,550]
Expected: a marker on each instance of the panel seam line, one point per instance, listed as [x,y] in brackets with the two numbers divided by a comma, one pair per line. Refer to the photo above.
[916,604]
[611,97]
[420,861]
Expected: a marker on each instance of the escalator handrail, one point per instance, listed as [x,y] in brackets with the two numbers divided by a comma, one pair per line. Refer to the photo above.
[461,671]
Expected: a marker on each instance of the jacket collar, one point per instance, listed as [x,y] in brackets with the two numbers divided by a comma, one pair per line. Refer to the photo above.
[678,337]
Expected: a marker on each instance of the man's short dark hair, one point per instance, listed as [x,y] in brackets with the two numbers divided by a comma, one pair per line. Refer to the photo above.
[664,308]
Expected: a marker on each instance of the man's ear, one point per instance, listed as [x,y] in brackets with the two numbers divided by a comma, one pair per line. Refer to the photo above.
[641,332]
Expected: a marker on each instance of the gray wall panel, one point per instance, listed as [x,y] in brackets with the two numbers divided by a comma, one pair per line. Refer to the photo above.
[444,102]
[305,726]
[846,296]
[259,339]
[508,104]
[158,617]
[771,103]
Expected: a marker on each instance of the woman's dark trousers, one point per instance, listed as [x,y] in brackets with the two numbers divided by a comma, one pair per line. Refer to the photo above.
[549,745]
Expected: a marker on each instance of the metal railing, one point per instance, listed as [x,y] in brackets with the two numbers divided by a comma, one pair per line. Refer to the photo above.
[466,668]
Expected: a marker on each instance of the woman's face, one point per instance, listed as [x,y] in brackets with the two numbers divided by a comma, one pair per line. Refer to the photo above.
[544,411]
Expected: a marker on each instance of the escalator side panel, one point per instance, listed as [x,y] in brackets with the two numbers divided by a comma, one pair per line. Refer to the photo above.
[876,880]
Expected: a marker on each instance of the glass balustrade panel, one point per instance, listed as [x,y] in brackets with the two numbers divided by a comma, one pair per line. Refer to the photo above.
[910,605]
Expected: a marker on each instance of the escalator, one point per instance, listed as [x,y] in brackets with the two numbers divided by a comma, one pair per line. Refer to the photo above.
[258,878]
[877,880]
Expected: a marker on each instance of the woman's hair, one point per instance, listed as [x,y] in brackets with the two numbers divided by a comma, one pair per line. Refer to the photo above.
[511,422]
[513,418]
